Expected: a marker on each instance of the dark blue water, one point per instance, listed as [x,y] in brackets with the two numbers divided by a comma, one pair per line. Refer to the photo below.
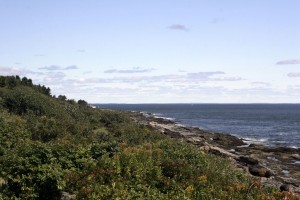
[269,124]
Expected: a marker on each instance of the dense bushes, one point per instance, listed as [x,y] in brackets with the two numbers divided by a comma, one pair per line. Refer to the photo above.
[31,171]
[21,100]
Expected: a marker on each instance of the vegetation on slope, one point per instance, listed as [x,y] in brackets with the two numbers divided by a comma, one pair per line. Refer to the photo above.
[51,145]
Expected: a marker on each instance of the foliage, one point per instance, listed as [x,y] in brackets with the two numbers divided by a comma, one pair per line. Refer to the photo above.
[82,102]
[49,145]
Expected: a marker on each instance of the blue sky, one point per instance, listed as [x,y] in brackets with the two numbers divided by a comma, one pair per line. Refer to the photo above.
[167,51]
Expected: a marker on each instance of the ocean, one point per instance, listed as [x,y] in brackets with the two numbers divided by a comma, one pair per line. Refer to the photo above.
[268,124]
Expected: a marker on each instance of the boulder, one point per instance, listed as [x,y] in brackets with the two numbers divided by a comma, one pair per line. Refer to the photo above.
[247,160]
[221,152]
[285,188]
[226,140]
[66,196]
[172,134]
[260,171]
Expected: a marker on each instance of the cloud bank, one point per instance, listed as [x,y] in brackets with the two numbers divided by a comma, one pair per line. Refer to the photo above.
[129,71]
[56,68]
[136,86]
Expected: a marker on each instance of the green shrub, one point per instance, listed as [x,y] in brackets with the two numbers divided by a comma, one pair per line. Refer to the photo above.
[31,171]
[20,100]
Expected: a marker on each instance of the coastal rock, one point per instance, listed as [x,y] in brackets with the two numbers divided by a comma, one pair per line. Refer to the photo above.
[162,120]
[260,171]
[257,146]
[286,150]
[195,141]
[285,188]
[296,156]
[248,160]
[226,140]
[205,148]
[172,134]
[279,149]
[221,152]
[66,196]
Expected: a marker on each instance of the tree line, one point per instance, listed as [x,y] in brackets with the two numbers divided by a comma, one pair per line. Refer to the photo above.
[11,82]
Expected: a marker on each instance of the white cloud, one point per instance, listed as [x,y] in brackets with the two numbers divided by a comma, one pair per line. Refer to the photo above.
[54,78]
[289,62]
[130,71]
[260,83]
[51,67]
[227,79]
[294,74]
[216,20]
[70,67]
[57,67]
[203,75]
[186,78]
[7,71]
[178,27]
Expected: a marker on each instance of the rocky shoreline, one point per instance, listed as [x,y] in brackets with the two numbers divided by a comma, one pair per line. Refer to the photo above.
[276,166]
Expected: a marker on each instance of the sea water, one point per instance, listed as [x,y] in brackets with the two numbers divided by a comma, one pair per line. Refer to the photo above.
[269,124]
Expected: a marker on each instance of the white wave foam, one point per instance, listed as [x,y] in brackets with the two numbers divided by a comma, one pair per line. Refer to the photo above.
[157,115]
[180,125]
[255,140]
[167,118]
[294,147]
[285,171]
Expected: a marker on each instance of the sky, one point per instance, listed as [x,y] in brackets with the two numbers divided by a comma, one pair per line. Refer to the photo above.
[158,51]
